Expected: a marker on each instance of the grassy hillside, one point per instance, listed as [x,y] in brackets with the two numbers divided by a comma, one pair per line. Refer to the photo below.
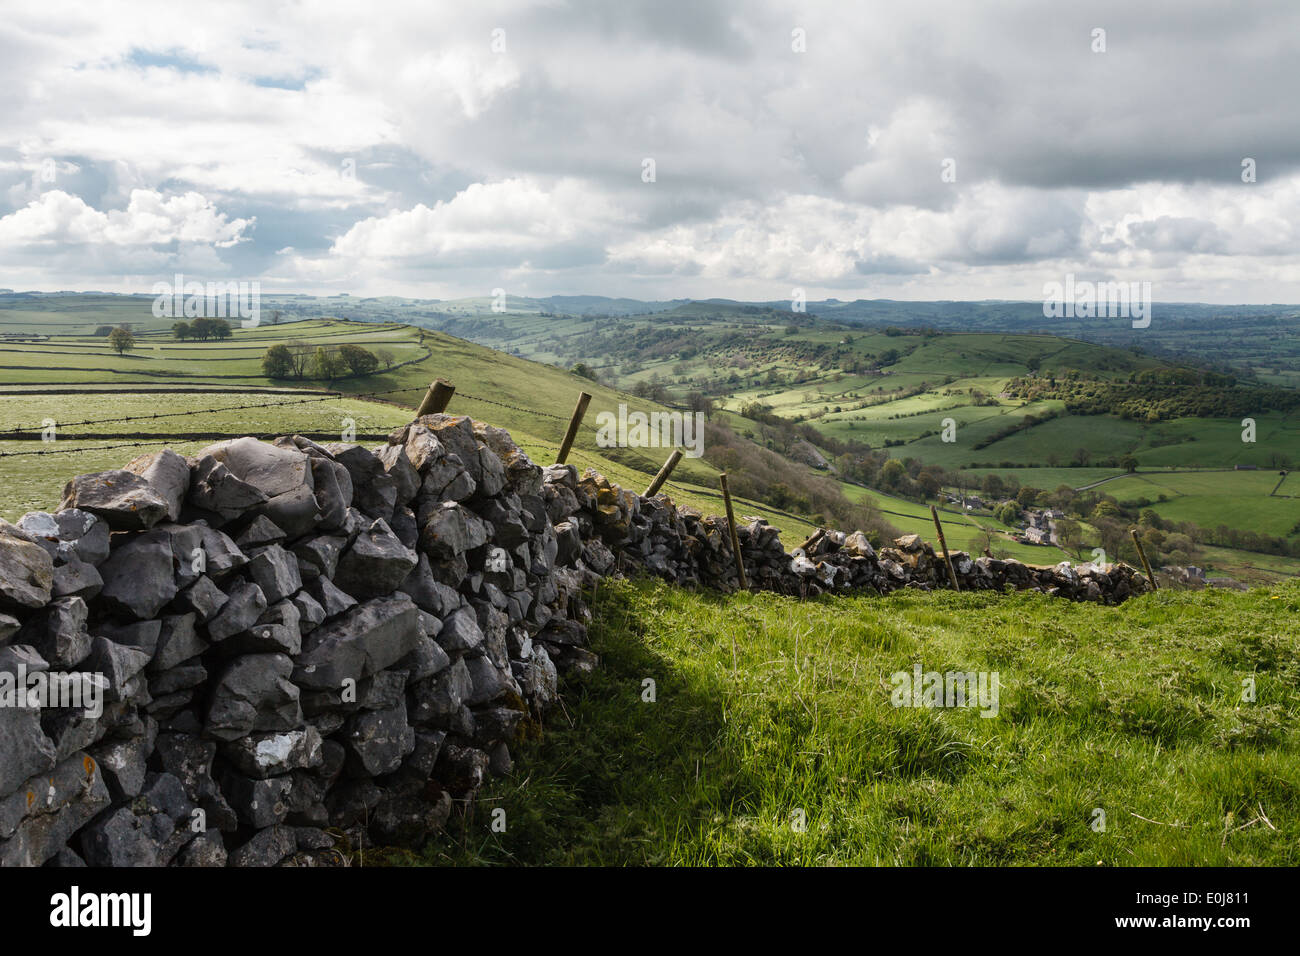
[167,390]
[765,707]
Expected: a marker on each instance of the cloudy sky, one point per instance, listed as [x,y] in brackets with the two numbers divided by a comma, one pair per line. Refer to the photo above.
[442,149]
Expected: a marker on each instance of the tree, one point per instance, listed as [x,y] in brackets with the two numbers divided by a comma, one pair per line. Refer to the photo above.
[699,402]
[278,362]
[357,360]
[583,370]
[182,330]
[386,358]
[892,472]
[121,340]
[1129,463]
[327,365]
[929,482]
[1008,513]
[1069,534]
[1106,508]
[206,328]
[301,355]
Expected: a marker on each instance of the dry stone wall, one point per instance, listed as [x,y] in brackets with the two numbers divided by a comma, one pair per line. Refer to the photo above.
[278,645]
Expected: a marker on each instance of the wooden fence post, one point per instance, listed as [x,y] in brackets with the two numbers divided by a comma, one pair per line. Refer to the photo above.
[436,398]
[735,538]
[1143,555]
[578,411]
[952,572]
[664,472]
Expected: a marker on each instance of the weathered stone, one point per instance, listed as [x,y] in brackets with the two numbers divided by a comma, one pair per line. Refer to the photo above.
[26,573]
[205,850]
[202,598]
[177,642]
[270,469]
[377,741]
[310,612]
[254,692]
[189,759]
[363,642]
[214,488]
[221,555]
[38,819]
[70,535]
[246,603]
[257,803]
[374,491]
[141,635]
[168,683]
[138,576]
[442,695]
[65,859]
[126,501]
[268,755]
[119,838]
[376,563]
[76,578]
[58,632]
[168,474]
[497,723]
[488,682]
[460,631]
[334,601]
[295,511]
[452,530]
[333,492]
[275,632]
[351,802]
[312,838]
[262,532]
[425,661]
[267,848]
[319,555]
[118,663]
[123,765]
[276,572]
[75,728]
[397,463]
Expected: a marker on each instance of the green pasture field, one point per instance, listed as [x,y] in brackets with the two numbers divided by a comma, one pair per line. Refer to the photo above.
[1238,499]
[769,712]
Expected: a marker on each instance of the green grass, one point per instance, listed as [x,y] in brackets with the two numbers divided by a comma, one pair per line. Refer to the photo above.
[533,401]
[766,706]
[1238,499]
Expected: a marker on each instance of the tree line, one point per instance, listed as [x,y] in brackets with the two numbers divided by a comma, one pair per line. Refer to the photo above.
[304,361]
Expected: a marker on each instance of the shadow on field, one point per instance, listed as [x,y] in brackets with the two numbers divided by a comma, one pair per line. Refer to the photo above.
[616,778]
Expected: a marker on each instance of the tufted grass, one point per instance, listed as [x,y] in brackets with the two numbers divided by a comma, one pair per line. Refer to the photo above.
[766,706]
